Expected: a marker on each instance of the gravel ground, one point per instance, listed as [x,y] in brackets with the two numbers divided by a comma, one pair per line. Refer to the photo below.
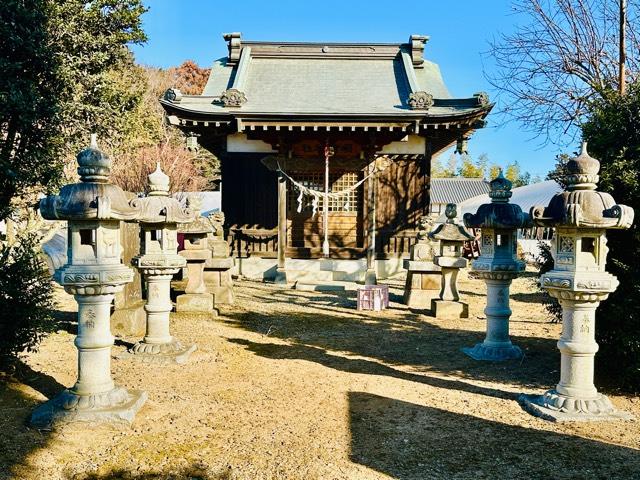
[299,385]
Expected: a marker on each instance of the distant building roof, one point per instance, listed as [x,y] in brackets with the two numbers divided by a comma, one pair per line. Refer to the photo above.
[526,196]
[457,189]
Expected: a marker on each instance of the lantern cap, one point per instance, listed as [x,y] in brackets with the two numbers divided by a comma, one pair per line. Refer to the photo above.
[499,213]
[580,204]
[451,231]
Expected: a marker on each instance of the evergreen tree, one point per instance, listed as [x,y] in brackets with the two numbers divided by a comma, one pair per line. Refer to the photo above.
[613,136]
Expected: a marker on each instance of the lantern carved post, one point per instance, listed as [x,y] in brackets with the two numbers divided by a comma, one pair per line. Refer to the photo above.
[93,273]
[497,265]
[451,237]
[423,276]
[581,216]
[158,261]
[196,298]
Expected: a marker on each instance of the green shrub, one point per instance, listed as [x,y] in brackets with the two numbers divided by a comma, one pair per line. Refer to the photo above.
[26,299]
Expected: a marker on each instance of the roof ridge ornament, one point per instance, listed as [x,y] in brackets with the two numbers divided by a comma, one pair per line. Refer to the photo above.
[420,100]
[173,95]
[234,39]
[233,98]
[417,43]
[482,98]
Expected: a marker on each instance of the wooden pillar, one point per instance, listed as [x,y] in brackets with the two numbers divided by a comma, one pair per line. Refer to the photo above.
[281,274]
[370,277]
[426,179]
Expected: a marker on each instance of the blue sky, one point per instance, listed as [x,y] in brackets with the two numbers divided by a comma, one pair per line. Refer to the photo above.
[459,32]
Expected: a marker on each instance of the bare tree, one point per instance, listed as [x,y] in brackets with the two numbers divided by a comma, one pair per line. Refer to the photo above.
[566,55]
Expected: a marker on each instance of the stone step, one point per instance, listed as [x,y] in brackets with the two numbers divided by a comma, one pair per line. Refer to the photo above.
[309,276]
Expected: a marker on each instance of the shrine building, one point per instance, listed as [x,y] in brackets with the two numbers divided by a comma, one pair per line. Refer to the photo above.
[298,125]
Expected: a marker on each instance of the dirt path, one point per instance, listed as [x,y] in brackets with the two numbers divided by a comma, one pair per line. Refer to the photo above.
[296,385]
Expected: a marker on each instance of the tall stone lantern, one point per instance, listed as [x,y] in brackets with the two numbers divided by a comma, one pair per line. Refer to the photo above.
[581,216]
[158,261]
[93,273]
[451,237]
[497,265]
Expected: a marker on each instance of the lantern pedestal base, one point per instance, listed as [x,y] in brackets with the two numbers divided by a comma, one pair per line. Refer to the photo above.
[280,277]
[449,310]
[370,277]
[423,283]
[493,353]
[195,303]
[171,353]
[560,408]
[116,407]
[129,321]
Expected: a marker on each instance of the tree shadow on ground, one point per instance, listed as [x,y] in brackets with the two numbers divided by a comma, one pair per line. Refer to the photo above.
[410,441]
[408,340]
[18,441]
[193,472]
[360,366]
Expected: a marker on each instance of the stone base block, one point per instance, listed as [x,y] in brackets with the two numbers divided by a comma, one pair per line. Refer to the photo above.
[281,277]
[491,353]
[449,310]
[222,295]
[117,407]
[370,277]
[129,321]
[163,354]
[420,298]
[195,303]
[559,408]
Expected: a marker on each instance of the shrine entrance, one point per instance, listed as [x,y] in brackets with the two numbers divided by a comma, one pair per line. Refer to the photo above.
[345,213]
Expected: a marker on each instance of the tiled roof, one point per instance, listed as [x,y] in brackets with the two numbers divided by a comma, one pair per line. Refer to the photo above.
[295,79]
[457,189]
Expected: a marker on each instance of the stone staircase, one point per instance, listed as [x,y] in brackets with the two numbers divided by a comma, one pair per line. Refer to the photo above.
[324,275]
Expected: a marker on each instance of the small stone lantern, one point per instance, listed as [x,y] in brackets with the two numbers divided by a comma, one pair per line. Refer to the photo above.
[497,265]
[93,273]
[217,270]
[158,261]
[581,216]
[423,276]
[196,298]
[451,237]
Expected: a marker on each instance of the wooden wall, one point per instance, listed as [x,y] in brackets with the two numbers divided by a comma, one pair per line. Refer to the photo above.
[249,192]
[250,200]
[402,198]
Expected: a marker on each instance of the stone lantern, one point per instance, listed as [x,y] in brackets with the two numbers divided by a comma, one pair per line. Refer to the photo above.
[93,273]
[158,261]
[581,216]
[423,276]
[497,265]
[451,237]
[196,298]
[217,271]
